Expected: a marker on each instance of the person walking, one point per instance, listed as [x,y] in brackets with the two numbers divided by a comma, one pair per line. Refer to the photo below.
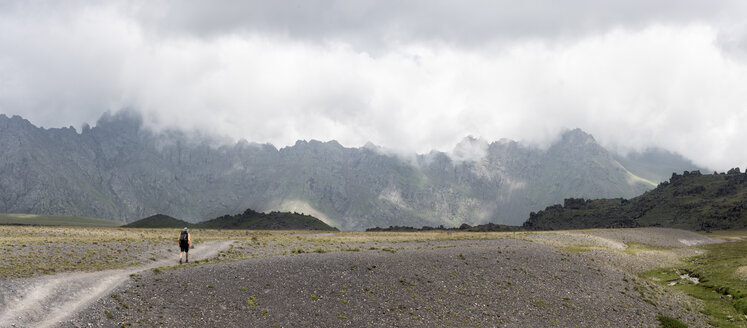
[185,241]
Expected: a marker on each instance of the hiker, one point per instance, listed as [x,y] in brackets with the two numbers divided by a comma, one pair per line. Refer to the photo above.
[185,241]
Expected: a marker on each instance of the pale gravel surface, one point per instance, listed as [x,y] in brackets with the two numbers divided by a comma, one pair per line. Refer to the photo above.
[617,247]
[644,260]
[504,282]
[741,272]
[619,239]
[660,237]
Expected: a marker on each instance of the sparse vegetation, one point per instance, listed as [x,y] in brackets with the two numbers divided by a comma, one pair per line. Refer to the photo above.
[667,322]
[718,267]
[722,291]
[31,250]
[436,289]
[253,243]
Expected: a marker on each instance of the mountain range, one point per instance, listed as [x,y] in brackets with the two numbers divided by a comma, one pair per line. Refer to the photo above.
[124,171]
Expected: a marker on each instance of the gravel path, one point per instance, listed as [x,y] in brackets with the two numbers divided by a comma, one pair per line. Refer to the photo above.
[504,282]
[48,300]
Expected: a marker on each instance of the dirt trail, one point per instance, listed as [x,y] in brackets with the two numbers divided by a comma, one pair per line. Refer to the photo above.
[48,300]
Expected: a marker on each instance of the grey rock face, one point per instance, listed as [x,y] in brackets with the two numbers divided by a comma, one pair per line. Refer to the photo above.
[120,170]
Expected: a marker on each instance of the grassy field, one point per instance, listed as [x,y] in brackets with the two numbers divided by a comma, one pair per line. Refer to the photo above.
[55,220]
[717,278]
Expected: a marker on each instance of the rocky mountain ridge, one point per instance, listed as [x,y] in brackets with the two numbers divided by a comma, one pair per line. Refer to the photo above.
[691,201]
[121,170]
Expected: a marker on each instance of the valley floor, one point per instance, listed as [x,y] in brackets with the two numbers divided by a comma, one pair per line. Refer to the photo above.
[541,279]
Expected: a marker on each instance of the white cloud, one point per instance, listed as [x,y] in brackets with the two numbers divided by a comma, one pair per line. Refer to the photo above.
[677,84]
[469,149]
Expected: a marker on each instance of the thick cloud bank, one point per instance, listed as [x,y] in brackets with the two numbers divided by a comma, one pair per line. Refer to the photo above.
[409,76]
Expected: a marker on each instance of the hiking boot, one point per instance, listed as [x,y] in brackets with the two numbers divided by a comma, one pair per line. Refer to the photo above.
[187,261]
[180,261]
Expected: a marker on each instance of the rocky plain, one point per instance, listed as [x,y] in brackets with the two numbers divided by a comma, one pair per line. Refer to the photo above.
[584,278]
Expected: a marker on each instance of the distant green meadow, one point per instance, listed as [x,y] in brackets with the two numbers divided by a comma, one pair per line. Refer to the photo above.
[55,220]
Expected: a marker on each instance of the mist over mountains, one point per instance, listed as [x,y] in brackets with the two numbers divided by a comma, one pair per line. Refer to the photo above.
[121,170]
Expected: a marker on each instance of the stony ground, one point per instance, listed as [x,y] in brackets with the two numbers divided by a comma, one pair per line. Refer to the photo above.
[27,251]
[504,282]
[586,278]
[629,250]
[47,300]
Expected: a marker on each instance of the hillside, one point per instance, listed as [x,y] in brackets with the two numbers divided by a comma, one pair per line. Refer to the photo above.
[119,169]
[157,221]
[55,220]
[691,201]
[253,220]
[250,220]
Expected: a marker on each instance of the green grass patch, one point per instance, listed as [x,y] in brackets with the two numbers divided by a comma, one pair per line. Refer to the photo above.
[667,322]
[581,248]
[252,301]
[634,248]
[723,293]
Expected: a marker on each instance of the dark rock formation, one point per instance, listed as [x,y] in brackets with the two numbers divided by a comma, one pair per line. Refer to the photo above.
[689,201]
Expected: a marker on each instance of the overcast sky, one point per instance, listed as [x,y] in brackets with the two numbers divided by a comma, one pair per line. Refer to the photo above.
[406,75]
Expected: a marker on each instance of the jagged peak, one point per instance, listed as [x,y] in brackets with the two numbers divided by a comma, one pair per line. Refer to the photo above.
[16,119]
[370,146]
[243,143]
[577,136]
[315,142]
[122,118]
[334,143]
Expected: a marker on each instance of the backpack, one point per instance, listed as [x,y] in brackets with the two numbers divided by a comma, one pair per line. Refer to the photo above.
[184,237]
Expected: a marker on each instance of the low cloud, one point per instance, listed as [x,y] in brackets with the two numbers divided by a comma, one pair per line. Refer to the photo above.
[673,80]
[470,149]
